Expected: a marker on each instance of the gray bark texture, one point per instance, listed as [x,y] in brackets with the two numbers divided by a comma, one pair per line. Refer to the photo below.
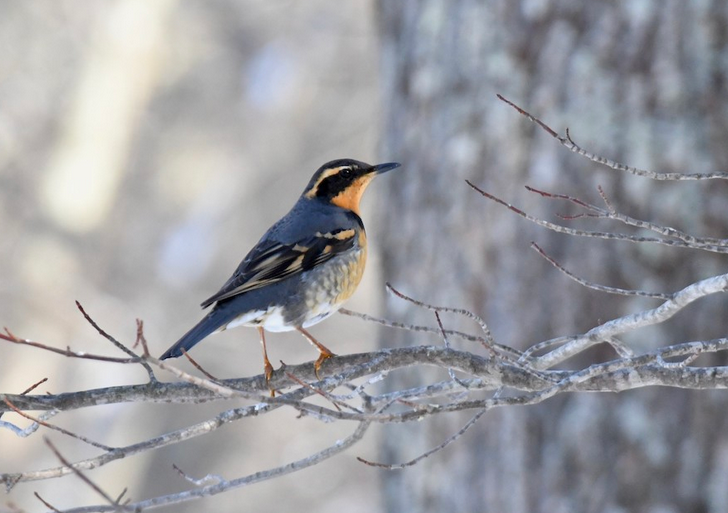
[643,83]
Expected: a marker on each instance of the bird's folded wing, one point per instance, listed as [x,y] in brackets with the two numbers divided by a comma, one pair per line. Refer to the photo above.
[277,261]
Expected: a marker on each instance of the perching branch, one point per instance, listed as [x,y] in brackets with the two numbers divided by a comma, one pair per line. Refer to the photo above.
[478,373]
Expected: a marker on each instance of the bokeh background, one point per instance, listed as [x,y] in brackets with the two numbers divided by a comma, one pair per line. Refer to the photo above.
[145,146]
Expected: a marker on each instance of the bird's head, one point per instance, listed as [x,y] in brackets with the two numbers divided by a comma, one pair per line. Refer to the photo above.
[342,182]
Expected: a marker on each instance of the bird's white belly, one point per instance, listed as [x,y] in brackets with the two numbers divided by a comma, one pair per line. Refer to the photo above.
[321,313]
[325,290]
[272,319]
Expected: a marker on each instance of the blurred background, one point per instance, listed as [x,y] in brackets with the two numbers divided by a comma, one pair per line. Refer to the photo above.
[146,146]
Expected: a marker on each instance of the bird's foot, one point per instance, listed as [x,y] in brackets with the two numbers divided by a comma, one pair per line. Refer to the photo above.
[268,370]
[321,359]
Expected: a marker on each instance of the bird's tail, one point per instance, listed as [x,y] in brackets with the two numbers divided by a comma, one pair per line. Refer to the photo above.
[209,324]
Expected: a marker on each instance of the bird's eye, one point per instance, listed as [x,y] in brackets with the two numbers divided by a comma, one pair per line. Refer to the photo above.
[345,172]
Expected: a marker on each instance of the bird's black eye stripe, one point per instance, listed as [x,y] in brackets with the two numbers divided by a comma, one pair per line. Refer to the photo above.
[335,182]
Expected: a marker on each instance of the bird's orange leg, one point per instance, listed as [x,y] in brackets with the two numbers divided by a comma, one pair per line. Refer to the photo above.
[267,367]
[324,352]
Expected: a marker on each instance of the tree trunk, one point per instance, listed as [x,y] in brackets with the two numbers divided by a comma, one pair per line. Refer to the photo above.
[643,83]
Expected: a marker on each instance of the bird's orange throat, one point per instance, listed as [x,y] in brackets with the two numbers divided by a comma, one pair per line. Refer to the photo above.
[350,197]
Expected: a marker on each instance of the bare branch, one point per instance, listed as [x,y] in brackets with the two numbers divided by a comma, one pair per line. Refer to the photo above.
[46,503]
[56,428]
[199,367]
[119,345]
[415,461]
[611,213]
[615,327]
[714,248]
[450,372]
[595,286]
[65,352]
[223,486]
[516,378]
[427,329]
[25,433]
[115,505]
[569,144]
[33,387]
[209,478]
[174,437]
[341,369]
[489,343]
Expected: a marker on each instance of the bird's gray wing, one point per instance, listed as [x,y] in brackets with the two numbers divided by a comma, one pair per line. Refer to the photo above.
[272,261]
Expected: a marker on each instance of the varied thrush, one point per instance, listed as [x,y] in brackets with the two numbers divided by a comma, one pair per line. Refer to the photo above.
[303,268]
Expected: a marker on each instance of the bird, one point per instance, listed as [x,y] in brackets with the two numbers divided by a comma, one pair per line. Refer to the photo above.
[302,269]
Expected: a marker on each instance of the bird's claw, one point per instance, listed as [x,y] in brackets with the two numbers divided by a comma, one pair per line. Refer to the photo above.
[321,359]
[268,370]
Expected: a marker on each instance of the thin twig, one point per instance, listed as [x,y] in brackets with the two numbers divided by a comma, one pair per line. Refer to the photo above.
[118,344]
[448,441]
[199,367]
[216,387]
[606,201]
[33,387]
[46,503]
[489,342]
[66,352]
[215,478]
[569,143]
[714,248]
[121,496]
[427,329]
[25,392]
[115,505]
[318,391]
[265,475]
[174,437]
[56,428]
[612,214]
[548,344]
[450,372]
[595,286]
[26,432]
[141,340]
[620,347]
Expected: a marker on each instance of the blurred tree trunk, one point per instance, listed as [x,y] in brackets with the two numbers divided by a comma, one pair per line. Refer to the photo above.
[643,83]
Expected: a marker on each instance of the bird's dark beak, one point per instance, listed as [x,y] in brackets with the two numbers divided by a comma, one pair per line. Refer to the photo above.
[383,168]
